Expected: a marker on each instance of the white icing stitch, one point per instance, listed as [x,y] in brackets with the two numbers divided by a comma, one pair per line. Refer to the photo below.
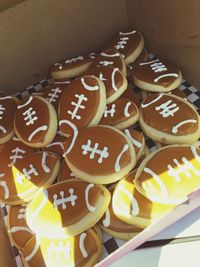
[60,66]
[74,128]
[26,174]
[29,116]
[81,245]
[117,162]
[44,164]
[133,140]
[87,190]
[92,55]
[65,82]
[167,109]
[165,75]
[5,97]
[148,62]
[25,104]
[113,79]
[89,87]
[110,111]
[103,154]
[16,155]
[22,214]
[126,111]
[158,180]
[175,128]
[77,105]
[106,63]
[6,190]
[15,229]
[41,128]
[158,67]
[110,55]
[153,101]
[101,77]
[63,200]
[3,129]
[74,60]
[106,221]
[135,207]
[56,144]
[122,42]
[59,249]
[2,175]
[2,109]
[52,97]
[195,154]
[33,253]
[127,33]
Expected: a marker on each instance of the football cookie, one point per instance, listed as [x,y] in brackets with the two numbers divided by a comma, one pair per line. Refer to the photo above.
[82,250]
[57,146]
[71,68]
[100,154]
[35,121]
[26,177]
[115,82]
[8,105]
[81,105]
[130,44]
[65,173]
[98,232]
[131,95]
[115,227]
[137,140]
[110,58]
[169,119]
[68,207]
[132,207]
[130,67]
[18,230]
[176,92]
[169,174]
[122,113]
[157,76]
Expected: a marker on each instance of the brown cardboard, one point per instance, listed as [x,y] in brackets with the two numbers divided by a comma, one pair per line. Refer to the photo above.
[172,31]
[5,4]
[37,33]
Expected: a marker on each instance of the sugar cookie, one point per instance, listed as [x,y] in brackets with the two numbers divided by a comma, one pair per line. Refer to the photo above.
[65,173]
[131,95]
[81,105]
[130,67]
[32,128]
[57,145]
[100,154]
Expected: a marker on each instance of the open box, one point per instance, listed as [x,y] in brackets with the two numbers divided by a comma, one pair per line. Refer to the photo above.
[36,33]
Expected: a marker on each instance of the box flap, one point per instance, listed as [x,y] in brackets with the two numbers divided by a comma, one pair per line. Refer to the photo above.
[5,4]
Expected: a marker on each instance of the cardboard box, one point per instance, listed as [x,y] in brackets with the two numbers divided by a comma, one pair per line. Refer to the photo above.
[36,33]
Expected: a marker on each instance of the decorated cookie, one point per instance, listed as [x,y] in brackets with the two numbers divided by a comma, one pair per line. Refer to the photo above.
[130,67]
[116,227]
[122,113]
[65,173]
[35,171]
[169,174]
[115,82]
[98,232]
[157,76]
[82,250]
[130,44]
[111,58]
[131,94]
[35,121]
[12,151]
[176,92]
[81,105]
[18,230]
[100,154]
[57,145]
[68,207]
[138,141]
[132,207]
[8,105]
[71,68]
[169,119]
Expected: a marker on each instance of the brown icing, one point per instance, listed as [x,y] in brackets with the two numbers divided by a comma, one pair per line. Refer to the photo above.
[57,146]
[176,181]
[119,111]
[136,138]
[65,172]
[151,70]
[105,74]
[7,110]
[125,42]
[176,92]
[168,124]
[16,187]
[131,95]
[49,249]
[104,137]
[141,58]
[16,220]
[25,128]
[80,116]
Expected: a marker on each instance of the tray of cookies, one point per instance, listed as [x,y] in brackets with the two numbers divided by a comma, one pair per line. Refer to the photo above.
[102,155]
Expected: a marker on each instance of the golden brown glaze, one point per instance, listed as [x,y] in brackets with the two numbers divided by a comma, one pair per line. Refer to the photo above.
[136,138]
[28,119]
[57,146]
[8,107]
[65,172]
[151,71]
[141,58]
[78,106]
[119,111]
[131,95]
[165,113]
[111,77]
[110,157]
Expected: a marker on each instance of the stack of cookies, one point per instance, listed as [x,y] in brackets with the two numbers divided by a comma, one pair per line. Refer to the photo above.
[72,163]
